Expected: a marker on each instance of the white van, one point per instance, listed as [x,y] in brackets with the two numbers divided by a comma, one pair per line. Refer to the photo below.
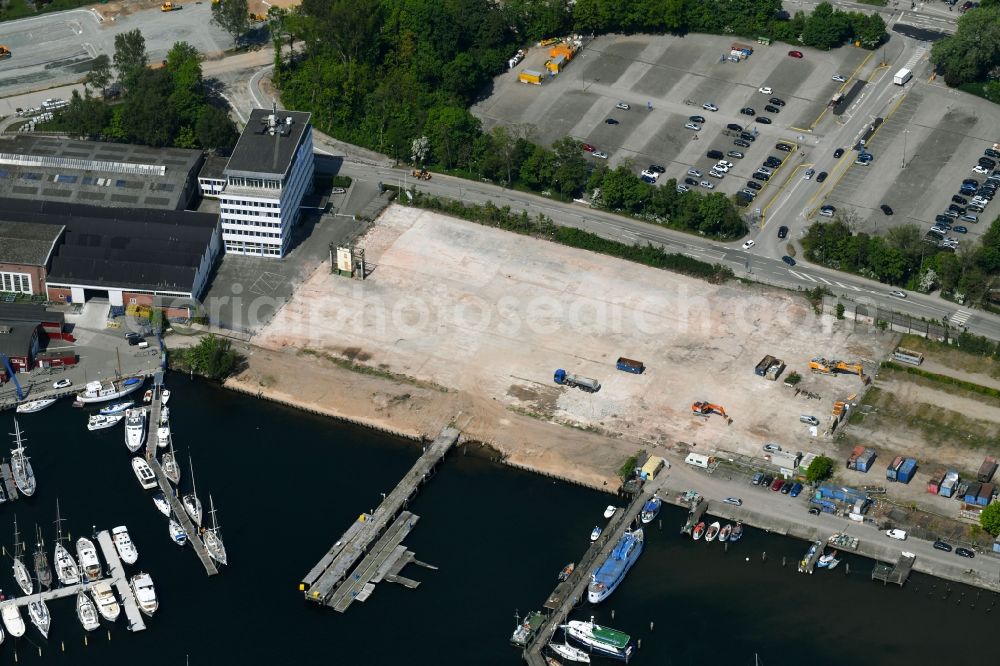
[143,345]
[896,534]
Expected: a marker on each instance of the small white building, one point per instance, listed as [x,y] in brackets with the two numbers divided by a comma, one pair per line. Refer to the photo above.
[271,169]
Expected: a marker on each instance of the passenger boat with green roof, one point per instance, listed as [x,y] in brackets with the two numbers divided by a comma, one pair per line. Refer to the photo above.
[604,640]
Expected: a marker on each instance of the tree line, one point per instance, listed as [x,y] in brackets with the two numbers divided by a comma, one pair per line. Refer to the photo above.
[904,259]
[970,58]
[167,104]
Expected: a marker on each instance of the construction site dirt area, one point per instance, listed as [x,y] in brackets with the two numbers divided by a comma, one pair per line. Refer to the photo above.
[492,315]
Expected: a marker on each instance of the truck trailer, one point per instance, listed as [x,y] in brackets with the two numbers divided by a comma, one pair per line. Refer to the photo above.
[531,76]
[578,381]
[902,76]
[987,469]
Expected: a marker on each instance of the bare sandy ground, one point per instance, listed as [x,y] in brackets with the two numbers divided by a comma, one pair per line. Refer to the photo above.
[490,315]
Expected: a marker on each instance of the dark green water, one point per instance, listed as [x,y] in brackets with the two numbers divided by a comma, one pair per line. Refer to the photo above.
[286,484]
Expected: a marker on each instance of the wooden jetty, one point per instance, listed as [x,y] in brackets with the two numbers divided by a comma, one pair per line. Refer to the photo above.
[694,516]
[808,563]
[8,481]
[370,550]
[120,581]
[193,534]
[897,573]
[570,593]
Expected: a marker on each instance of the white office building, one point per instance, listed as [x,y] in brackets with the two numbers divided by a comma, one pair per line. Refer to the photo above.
[271,169]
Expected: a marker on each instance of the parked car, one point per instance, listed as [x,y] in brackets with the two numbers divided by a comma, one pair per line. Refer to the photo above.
[735,154]
[959,200]
[754,186]
[697,119]
[942,545]
[735,501]
[681,189]
[694,172]
[989,152]
[821,176]
[623,106]
[838,153]
[838,78]
[765,90]
[795,54]
[589,148]
[827,211]
[652,181]
[691,181]
[708,106]
[756,478]
[734,127]
[808,419]
[960,230]
[809,173]
[778,483]
[716,174]
[656,168]
[896,534]
[965,552]
[782,233]
[748,193]
[62,383]
[980,169]
[796,489]
[714,154]
[763,120]
[777,101]
[760,176]
[783,147]
[788,260]
[897,293]
[886,209]
[741,143]
[747,111]
[767,481]
[749,244]
[693,126]
[600,154]
[728,165]
[786,488]
[611,121]
[748,136]
[707,185]
[815,511]
[772,109]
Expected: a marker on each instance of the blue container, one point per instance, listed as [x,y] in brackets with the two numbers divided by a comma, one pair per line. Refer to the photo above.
[906,471]
[972,493]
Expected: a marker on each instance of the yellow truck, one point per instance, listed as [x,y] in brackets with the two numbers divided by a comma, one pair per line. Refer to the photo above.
[531,76]
[169,7]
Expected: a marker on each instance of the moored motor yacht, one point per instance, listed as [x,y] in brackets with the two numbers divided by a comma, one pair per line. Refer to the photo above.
[145,593]
[123,544]
[143,472]
[104,597]
[89,561]
[135,429]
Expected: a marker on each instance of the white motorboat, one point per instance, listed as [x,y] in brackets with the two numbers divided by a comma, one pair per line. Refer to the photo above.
[67,570]
[147,397]
[39,614]
[177,533]
[21,574]
[610,511]
[164,395]
[135,429]
[104,597]
[713,531]
[12,619]
[86,610]
[145,593]
[163,436]
[164,415]
[102,421]
[20,466]
[123,544]
[89,561]
[212,538]
[162,505]
[191,502]
[570,653]
[118,407]
[143,472]
[110,390]
[595,533]
[33,406]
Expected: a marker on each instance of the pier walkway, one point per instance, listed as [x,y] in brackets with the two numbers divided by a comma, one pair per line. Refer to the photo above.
[7,476]
[192,531]
[568,594]
[897,573]
[374,539]
[120,581]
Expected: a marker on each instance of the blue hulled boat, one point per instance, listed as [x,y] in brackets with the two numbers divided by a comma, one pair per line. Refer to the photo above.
[612,572]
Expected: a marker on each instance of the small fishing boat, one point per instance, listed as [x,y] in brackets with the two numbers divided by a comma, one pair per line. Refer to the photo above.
[12,620]
[699,531]
[33,406]
[39,614]
[162,505]
[102,421]
[123,544]
[118,407]
[651,510]
[737,531]
[177,533]
[86,610]
[725,532]
[570,652]
[104,597]
[713,531]
[610,511]
[143,472]
[566,571]
[828,560]
[595,533]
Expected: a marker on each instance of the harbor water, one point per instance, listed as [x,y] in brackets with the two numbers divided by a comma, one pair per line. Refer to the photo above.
[286,484]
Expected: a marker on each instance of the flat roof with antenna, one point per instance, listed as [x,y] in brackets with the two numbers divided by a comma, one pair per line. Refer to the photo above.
[268,144]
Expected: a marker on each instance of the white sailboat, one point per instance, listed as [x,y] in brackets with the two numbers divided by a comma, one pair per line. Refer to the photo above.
[144,473]
[177,533]
[191,502]
[39,614]
[161,503]
[168,463]
[104,597]
[212,538]
[20,466]
[135,429]
[33,406]
[86,610]
[12,619]
[21,574]
[123,544]
[145,593]
[66,568]
[89,561]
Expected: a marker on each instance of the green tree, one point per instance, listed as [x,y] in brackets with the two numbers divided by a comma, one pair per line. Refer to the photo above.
[570,171]
[130,57]
[187,96]
[212,357]
[819,469]
[214,129]
[144,120]
[973,50]
[100,75]
[452,131]
[825,27]
[989,518]
[869,30]
[233,16]
[85,117]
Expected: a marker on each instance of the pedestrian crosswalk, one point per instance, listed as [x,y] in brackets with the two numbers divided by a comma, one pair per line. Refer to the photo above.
[959,317]
[915,58]
[823,280]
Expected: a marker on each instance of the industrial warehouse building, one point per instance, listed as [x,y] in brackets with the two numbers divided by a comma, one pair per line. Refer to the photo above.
[130,256]
[25,251]
[97,173]
[25,330]
[271,169]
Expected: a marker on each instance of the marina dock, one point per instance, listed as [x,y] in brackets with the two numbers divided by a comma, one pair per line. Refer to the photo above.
[370,550]
[120,581]
[194,535]
[567,595]
[697,511]
[808,563]
[897,573]
[7,476]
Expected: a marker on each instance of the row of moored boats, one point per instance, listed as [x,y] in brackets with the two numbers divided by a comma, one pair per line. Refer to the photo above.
[717,530]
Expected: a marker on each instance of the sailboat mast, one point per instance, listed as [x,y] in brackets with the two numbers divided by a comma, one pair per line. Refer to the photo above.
[194,489]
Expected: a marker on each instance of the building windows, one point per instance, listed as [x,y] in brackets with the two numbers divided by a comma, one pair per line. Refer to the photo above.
[17,282]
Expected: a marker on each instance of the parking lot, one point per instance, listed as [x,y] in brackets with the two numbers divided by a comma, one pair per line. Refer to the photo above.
[666,80]
[924,150]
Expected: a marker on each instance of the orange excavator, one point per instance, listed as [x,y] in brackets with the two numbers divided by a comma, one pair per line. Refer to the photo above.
[706,409]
